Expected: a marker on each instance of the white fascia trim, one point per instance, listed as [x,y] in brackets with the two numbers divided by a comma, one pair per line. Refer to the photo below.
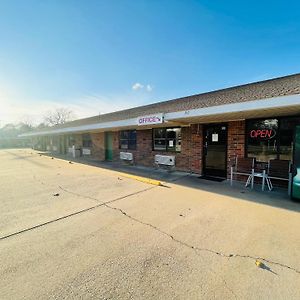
[269,103]
[107,125]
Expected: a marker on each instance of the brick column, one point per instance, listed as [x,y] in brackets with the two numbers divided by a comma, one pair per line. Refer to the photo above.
[196,148]
[236,141]
[78,140]
[98,145]
[183,158]
[143,154]
[116,150]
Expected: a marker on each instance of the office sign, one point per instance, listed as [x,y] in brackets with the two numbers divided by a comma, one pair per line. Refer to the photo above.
[150,120]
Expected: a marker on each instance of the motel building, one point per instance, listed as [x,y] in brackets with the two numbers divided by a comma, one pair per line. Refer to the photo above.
[228,133]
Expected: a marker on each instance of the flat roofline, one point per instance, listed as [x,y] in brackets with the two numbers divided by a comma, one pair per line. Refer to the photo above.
[274,87]
[219,110]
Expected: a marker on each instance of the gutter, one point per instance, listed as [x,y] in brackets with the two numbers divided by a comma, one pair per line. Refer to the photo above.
[88,127]
[262,104]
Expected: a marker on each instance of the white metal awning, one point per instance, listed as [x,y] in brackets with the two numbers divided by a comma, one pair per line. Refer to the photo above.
[270,107]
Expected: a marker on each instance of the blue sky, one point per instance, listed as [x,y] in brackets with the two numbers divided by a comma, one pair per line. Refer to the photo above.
[88,55]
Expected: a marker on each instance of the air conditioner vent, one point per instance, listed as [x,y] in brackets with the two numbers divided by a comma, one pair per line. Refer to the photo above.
[167,160]
[86,151]
[126,156]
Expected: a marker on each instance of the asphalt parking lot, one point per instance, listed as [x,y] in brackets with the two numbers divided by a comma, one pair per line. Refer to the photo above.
[73,231]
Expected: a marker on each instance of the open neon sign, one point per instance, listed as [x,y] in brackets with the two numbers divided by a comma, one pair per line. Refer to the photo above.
[262,134]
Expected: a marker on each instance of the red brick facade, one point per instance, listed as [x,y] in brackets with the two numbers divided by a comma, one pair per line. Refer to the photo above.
[235,142]
[190,157]
[98,145]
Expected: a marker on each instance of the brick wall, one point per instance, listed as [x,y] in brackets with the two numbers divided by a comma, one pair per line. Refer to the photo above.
[189,159]
[236,142]
[196,148]
[116,152]
[98,145]
[78,140]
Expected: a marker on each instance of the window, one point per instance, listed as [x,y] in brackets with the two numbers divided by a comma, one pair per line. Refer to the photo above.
[128,139]
[87,140]
[71,140]
[271,138]
[262,139]
[287,127]
[167,139]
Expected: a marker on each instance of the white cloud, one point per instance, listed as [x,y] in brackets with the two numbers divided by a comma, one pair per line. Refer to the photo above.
[137,86]
[149,88]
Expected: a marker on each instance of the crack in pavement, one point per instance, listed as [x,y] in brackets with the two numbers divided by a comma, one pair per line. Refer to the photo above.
[106,204]
[185,244]
[231,255]
[74,213]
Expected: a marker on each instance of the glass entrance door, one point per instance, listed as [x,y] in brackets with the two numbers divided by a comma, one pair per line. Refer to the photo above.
[215,150]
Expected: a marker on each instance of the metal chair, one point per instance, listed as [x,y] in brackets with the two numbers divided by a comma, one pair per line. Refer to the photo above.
[279,169]
[243,166]
[262,175]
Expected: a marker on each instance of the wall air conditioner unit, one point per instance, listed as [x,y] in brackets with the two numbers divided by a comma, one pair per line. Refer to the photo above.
[166,160]
[86,151]
[126,156]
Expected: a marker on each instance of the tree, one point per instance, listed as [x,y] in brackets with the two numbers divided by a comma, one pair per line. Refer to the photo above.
[41,126]
[58,116]
[9,131]
[27,122]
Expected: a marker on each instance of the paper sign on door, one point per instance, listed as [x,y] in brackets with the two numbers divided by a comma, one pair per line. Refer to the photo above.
[215,137]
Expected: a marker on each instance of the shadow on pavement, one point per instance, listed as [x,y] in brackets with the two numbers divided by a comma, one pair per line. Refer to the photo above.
[277,198]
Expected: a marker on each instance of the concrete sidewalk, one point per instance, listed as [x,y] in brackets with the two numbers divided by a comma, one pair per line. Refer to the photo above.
[277,197]
[153,173]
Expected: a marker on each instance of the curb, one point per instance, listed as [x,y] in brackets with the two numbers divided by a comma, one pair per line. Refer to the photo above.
[142,179]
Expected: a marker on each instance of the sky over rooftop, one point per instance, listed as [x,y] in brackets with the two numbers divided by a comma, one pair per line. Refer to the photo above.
[100,56]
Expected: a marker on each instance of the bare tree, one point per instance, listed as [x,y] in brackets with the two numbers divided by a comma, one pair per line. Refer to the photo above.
[27,121]
[58,116]
[41,126]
